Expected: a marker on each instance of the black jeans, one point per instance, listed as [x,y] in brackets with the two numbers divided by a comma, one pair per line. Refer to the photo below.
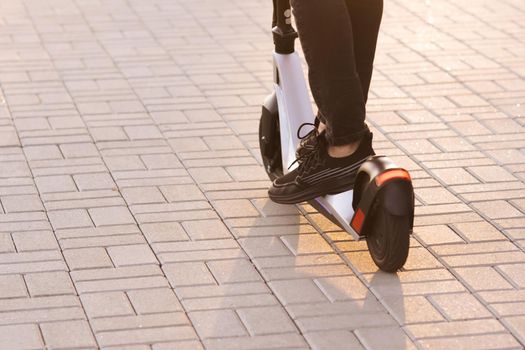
[339,41]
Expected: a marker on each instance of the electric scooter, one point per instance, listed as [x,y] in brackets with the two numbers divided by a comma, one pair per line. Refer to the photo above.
[380,207]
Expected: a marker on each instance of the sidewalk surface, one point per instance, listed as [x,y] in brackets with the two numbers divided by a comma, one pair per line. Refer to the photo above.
[134,211]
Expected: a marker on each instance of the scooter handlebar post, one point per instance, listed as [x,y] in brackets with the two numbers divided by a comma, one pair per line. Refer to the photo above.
[284,34]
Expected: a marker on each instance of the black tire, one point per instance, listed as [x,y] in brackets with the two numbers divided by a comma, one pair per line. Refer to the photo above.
[388,238]
[270,143]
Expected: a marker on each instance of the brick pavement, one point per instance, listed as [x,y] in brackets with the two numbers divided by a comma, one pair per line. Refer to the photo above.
[133,206]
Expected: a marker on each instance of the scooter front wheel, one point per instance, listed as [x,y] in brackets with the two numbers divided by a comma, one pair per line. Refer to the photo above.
[270,138]
[388,238]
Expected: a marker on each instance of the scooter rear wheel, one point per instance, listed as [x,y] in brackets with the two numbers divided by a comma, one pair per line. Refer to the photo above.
[388,238]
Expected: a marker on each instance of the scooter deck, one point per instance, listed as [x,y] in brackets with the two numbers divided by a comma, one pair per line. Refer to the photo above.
[326,206]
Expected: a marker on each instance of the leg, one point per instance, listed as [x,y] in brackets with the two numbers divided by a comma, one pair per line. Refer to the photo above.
[325,31]
[366,19]
[331,163]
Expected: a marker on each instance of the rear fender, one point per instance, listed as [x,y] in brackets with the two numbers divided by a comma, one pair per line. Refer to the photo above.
[379,174]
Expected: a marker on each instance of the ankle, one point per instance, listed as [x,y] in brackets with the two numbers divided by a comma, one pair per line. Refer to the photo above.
[341,151]
[321,127]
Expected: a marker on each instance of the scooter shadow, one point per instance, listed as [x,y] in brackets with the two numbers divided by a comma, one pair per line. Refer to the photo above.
[301,254]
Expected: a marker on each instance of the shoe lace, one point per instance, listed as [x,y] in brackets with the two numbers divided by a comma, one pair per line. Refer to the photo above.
[314,132]
[312,158]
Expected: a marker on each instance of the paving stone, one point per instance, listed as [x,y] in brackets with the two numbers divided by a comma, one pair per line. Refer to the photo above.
[336,340]
[206,229]
[437,234]
[202,115]
[161,161]
[478,231]
[454,176]
[229,301]
[110,133]
[20,337]
[486,341]
[154,300]
[515,273]
[497,209]
[129,347]
[175,193]
[142,195]
[51,184]
[123,163]
[482,278]
[435,195]
[209,175]
[455,328]
[111,216]
[342,288]
[266,320]
[484,259]
[106,304]
[383,338]
[232,271]
[42,152]
[22,203]
[344,322]
[217,323]
[306,244]
[223,290]
[186,144]
[63,219]
[86,182]
[247,173]
[124,284]
[164,232]
[67,334]
[180,345]
[421,258]
[269,208]
[235,208]
[6,243]
[49,283]
[460,306]
[502,296]
[492,173]
[414,309]
[517,325]
[474,248]
[12,286]
[277,341]
[263,247]
[142,132]
[78,150]
[508,309]
[145,335]
[131,255]
[184,274]
[297,291]
[299,272]
[85,258]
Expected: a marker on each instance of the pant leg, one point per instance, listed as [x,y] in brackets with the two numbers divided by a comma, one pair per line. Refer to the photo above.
[325,31]
[366,18]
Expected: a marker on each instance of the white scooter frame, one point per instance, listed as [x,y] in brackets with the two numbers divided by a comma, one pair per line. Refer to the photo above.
[293,101]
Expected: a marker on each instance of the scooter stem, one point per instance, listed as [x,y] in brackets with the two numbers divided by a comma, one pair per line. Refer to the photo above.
[284,34]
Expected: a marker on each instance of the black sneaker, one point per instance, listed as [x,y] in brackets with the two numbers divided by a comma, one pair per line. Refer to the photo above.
[318,174]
